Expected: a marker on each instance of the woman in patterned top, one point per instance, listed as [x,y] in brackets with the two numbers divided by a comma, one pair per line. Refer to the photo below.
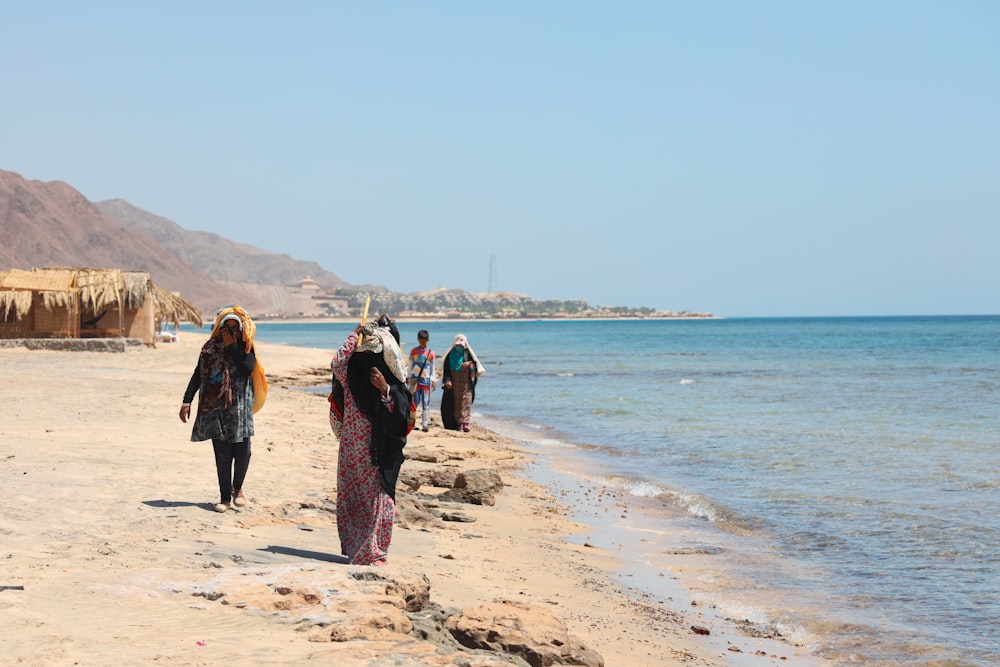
[232,388]
[376,410]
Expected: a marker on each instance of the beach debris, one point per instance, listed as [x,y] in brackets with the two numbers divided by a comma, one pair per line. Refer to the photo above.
[211,596]
[446,556]
[11,588]
[201,642]
[700,630]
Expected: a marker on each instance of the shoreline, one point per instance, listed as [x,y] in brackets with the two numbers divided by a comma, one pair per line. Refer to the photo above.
[105,520]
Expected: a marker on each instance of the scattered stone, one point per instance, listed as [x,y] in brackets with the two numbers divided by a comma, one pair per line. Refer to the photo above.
[425,455]
[428,624]
[485,479]
[414,479]
[697,551]
[411,512]
[525,630]
[470,496]
[700,630]
[751,629]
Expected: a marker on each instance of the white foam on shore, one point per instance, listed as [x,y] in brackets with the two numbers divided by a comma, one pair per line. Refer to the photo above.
[664,530]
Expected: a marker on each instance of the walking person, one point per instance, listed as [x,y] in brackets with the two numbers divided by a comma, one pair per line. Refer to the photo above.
[421,378]
[462,371]
[374,419]
[231,387]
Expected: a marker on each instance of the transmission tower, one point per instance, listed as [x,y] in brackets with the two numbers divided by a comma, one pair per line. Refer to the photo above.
[493,274]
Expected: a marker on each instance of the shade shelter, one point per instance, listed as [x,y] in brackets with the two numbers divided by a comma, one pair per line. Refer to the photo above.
[39,304]
[60,302]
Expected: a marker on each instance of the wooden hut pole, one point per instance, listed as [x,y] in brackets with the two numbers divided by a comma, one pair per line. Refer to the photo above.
[73,313]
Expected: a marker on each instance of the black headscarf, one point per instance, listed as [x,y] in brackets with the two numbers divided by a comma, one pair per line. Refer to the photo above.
[389,427]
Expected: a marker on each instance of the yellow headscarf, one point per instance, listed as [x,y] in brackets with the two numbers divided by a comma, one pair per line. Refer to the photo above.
[248,330]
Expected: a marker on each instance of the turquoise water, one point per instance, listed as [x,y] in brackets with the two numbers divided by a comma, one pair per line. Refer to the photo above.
[839,476]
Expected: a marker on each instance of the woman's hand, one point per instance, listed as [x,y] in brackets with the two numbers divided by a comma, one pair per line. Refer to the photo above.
[378,381]
[185,413]
[228,338]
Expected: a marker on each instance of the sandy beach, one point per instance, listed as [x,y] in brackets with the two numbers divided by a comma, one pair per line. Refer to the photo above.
[111,553]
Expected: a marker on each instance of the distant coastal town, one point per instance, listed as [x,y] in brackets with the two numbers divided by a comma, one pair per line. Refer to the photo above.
[320,302]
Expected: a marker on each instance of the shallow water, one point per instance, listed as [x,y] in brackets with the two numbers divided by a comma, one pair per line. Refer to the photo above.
[838,478]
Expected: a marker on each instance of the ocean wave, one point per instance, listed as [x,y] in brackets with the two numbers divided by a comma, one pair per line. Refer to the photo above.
[691,503]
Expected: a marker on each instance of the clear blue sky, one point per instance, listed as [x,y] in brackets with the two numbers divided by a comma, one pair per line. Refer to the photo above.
[748,158]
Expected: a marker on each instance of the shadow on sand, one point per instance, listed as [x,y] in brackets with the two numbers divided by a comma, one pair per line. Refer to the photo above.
[164,504]
[302,553]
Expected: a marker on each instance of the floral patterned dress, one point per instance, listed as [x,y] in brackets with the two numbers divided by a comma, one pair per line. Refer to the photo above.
[365,512]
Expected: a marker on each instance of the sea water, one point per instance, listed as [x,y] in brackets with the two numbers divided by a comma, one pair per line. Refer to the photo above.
[835,479]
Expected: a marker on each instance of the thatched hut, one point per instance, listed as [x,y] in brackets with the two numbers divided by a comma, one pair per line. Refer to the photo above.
[86,303]
[171,309]
[39,304]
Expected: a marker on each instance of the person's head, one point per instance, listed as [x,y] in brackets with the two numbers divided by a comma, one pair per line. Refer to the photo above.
[235,320]
[232,323]
[377,349]
[388,323]
[423,337]
[461,341]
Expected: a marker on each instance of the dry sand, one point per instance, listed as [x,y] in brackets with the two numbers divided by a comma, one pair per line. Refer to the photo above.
[106,515]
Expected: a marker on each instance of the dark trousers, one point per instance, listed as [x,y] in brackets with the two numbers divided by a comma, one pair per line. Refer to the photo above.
[226,455]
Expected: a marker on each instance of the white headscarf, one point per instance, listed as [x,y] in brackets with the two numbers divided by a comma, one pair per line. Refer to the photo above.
[462,341]
[380,340]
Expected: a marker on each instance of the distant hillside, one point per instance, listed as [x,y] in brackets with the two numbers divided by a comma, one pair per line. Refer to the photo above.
[52,224]
[219,258]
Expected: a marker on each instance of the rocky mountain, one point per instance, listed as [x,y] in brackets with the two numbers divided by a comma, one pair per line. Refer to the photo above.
[219,258]
[52,224]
